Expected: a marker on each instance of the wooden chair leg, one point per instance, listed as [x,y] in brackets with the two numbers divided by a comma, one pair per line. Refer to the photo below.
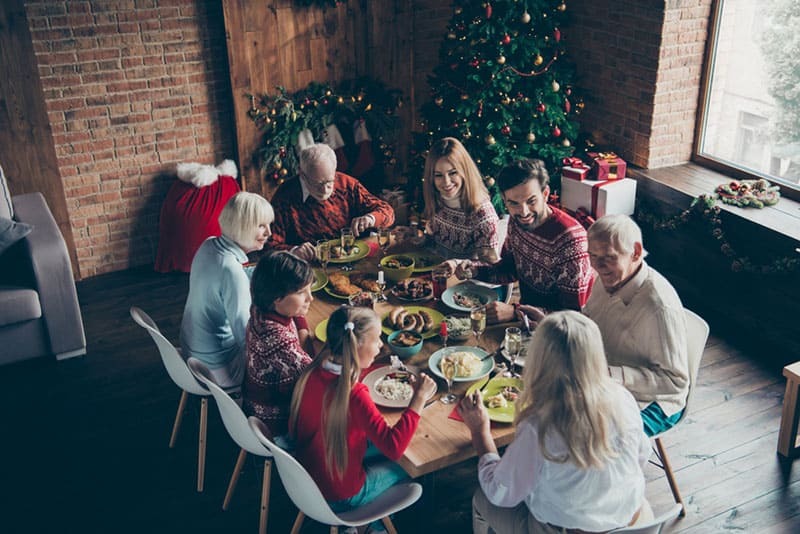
[178,418]
[298,522]
[262,522]
[201,448]
[387,522]
[237,470]
[787,437]
[662,453]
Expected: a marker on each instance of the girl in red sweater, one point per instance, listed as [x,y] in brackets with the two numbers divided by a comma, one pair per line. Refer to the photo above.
[340,436]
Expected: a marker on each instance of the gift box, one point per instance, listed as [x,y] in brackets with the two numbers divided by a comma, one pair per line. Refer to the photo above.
[575,169]
[607,166]
[599,197]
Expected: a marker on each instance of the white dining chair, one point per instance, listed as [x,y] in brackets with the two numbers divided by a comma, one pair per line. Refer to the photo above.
[652,527]
[236,424]
[305,493]
[697,331]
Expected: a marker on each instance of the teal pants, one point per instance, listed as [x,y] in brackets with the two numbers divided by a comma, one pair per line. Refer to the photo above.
[656,421]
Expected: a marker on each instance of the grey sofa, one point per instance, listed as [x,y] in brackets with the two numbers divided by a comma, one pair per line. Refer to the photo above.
[39,312]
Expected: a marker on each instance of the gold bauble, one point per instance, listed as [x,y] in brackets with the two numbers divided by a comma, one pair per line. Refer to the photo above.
[490,140]
[284,172]
[501,59]
[556,86]
[525,18]
[531,137]
[562,7]
[538,60]
[566,142]
[489,181]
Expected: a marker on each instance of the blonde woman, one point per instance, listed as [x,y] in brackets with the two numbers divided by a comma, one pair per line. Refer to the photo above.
[218,305]
[461,218]
[577,456]
[333,416]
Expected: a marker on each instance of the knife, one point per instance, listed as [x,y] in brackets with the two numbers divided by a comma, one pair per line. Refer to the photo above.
[527,324]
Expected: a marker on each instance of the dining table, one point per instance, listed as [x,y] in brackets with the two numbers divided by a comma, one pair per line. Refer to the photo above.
[441,439]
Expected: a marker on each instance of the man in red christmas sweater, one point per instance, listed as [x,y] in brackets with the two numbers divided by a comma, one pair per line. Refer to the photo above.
[545,249]
[321,202]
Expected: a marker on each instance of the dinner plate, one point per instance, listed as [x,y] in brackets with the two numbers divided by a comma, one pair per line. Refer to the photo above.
[320,280]
[361,249]
[429,260]
[428,296]
[495,386]
[321,331]
[329,290]
[481,294]
[436,357]
[372,378]
[435,315]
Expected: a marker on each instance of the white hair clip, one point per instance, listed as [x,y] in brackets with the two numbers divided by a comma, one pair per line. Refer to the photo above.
[349,325]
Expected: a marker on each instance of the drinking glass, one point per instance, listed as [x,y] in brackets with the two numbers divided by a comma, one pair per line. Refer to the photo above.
[382,286]
[477,316]
[323,253]
[384,239]
[448,368]
[439,276]
[513,343]
[348,242]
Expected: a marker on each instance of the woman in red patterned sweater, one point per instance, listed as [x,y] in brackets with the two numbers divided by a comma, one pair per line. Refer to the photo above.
[333,418]
[461,218]
[277,344]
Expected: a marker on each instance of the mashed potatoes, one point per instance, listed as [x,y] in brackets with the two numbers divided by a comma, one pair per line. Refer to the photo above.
[466,364]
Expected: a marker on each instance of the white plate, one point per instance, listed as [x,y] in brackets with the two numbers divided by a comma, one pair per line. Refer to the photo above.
[488,363]
[372,378]
[485,294]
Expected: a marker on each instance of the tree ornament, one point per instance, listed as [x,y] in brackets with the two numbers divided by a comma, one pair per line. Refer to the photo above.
[555,86]
[284,171]
[538,60]
[541,107]
[490,140]
[464,96]
[439,101]
[505,101]
[531,137]
[567,106]
[451,35]
[556,131]
[490,181]
[525,18]
[566,142]
[568,91]
[557,35]
[458,10]
[506,39]
[488,8]
[501,59]
[562,7]
[480,109]
[505,130]
[474,63]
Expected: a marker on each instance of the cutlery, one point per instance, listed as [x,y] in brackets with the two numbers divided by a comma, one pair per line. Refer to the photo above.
[526,323]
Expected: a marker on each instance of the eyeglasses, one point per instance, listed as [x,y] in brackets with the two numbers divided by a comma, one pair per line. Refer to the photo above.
[318,184]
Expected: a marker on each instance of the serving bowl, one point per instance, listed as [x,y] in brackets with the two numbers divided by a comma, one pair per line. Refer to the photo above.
[404,351]
[397,266]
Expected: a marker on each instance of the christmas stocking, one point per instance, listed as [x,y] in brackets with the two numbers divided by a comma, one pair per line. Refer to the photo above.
[304,140]
[366,159]
[333,139]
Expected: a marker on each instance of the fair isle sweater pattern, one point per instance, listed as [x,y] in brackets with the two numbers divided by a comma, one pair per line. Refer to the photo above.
[463,233]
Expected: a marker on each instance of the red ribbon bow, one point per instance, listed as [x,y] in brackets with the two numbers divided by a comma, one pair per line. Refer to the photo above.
[573,162]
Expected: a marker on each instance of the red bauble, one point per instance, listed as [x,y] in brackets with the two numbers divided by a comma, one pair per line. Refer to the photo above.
[568,91]
[541,107]
[567,106]
[556,132]
[488,7]
[506,39]
[557,34]
[474,63]
[505,130]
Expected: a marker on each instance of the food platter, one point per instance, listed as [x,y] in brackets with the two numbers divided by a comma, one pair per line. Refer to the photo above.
[436,316]
[486,365]
[494,387]
[320,280]
[360,250]
[454,297]
[321,331]
[374,377]
[399,294]
[425,262]
[329,290]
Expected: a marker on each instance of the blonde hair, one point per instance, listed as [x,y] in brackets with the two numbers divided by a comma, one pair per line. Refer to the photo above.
[242,215]
[473,192]
[567,389]
[343,342]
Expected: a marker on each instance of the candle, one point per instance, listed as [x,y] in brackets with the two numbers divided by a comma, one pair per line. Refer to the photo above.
[380,277]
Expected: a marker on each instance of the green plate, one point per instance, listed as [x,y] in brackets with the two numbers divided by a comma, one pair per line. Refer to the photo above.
[495,386]
[435,315]
[360,250]
[321,331]
[320,280]
[429,260]
[329,290]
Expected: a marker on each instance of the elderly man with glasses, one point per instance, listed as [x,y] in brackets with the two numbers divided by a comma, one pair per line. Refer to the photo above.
[322,202]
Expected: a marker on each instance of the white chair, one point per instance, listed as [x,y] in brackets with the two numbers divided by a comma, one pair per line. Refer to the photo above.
[697,333]
[180,374]
[236,424]
[655,526]
[305,493]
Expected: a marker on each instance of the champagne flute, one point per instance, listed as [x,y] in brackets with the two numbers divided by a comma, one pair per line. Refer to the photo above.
[323,253]
[348,242]
[384,239]
[477,316]
[448,368]
[513,343]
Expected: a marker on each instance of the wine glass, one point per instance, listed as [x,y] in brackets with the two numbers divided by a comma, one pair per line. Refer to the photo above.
[324,253]
[477,316]
[384,239]
[513,343]
[348,242]
[448,367]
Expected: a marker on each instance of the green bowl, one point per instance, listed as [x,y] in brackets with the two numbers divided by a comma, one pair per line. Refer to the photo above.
[397,267]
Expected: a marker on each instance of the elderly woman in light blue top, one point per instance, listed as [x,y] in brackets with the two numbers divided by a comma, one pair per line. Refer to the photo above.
[218,306]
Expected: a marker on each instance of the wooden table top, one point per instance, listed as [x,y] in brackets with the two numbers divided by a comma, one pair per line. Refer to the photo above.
[439,441]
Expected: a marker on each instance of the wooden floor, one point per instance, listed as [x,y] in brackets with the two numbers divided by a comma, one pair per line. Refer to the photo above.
[83,445]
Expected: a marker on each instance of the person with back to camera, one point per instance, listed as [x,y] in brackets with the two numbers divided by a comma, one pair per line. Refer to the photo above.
[545,250]
[278,345]
[218,305]
[321,202]
[339,435]
[576,461]
[461,218]
[642,322]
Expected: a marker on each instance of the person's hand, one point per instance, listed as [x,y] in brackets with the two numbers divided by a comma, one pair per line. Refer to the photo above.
[464,270]
[535,315]
[359,225]
[424,389]
[306,251]
[499,312]
[473,412]
[449,266]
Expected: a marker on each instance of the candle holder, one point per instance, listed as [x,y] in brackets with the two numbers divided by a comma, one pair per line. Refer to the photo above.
[382,286]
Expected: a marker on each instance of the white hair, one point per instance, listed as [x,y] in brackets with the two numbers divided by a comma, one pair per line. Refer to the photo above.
[317,155]
[618,230]
[242,215]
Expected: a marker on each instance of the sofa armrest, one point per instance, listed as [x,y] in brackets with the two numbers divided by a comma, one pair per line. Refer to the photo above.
[53,276]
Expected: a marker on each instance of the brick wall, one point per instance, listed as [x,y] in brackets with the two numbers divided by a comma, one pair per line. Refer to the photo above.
[132,88]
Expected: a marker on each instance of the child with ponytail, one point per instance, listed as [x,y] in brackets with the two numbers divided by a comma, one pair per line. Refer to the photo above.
[340,436]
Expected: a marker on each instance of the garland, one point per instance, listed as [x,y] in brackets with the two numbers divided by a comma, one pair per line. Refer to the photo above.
[282,116]
[704,206]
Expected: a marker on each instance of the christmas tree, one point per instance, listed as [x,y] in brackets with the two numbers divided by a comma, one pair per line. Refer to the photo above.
[503,86]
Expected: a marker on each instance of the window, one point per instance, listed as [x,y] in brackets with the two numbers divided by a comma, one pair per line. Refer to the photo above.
[750,112]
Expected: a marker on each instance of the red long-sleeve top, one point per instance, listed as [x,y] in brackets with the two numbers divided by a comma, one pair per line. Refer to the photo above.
[365,422]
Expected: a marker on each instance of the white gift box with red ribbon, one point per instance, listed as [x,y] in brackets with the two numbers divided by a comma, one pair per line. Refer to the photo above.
[599,197]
